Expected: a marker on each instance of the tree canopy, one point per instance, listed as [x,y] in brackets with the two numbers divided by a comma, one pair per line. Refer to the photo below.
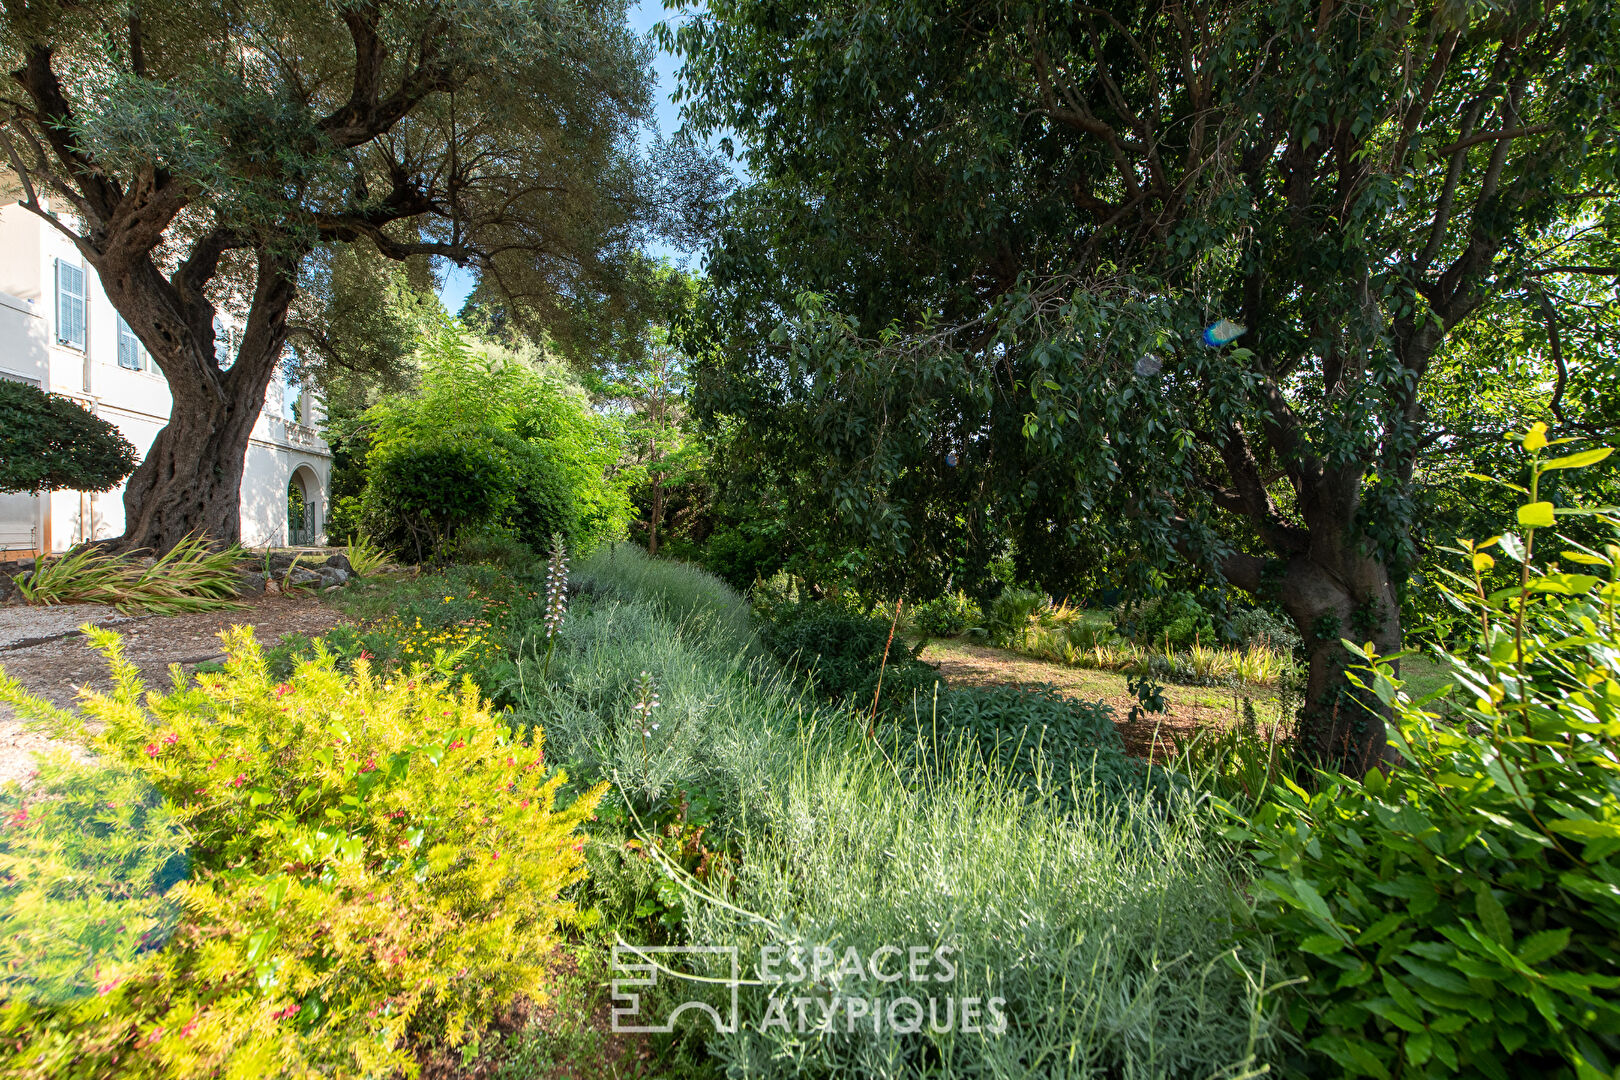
[967,296]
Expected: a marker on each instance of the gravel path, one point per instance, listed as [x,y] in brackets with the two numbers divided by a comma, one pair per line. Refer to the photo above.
[31,625]
[42,649]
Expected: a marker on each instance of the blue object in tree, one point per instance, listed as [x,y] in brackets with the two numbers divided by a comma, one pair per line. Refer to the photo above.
[1149,365]
[1223,332]
[950,459]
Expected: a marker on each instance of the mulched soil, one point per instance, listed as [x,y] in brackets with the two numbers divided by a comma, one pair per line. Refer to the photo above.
[1191,709]
[56,667]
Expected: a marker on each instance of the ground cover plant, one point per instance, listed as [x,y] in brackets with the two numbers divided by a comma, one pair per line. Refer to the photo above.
[193,575]
[374,864]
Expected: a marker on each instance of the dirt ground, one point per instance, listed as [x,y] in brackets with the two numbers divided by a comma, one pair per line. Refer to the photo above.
[53,661]
[1191,708]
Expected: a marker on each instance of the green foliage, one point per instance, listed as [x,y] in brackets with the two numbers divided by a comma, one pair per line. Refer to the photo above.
[191,576]
[1045,743]
[374,862]
[1457,915]
[842,651]
[1056,910]
[1009,615]
[89,858]
[825,842]
[495,439]
[365,555]
[945,616]
[1174,617]
[988,333]
[48,442]
[686,595]
[420,496]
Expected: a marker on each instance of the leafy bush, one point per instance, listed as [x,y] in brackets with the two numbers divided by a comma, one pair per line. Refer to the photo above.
[842,651]
[742,554]
[419,496]
[1176,618]
[372,863]
[1459,915]
[89,860]
[556,454]
[1009,615]
[1262,627]
[191,576]
[49,443]
[497,549]
[946,616]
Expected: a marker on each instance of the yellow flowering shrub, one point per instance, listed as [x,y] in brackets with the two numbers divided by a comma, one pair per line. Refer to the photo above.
[372,862]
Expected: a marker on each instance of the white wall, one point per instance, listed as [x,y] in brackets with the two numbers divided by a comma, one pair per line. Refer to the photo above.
[137,402]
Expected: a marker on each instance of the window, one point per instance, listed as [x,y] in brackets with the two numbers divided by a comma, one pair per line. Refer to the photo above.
[223,354]
[69,304]
[129,347]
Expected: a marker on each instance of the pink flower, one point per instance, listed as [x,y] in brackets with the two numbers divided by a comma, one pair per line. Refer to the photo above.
[241,778]
[369,766]
[283,689]
[151,749]
[291,1010]
[171,738]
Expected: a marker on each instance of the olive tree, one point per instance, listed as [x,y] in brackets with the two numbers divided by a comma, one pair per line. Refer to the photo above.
[199,154]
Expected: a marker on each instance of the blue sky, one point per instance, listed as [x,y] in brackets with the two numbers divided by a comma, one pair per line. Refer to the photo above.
[643,17]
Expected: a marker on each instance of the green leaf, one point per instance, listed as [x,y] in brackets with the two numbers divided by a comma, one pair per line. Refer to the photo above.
[1536,515]
[1419,1048]
[1578,461]
[1583,829]
[1321,945]
[1353,1056]
[1544,945]
[1493,917]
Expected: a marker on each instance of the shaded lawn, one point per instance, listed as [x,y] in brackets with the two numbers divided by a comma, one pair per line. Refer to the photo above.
[1191,708]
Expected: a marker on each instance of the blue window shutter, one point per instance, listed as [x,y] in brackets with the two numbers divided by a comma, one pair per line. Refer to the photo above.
[69,304]
[129,347]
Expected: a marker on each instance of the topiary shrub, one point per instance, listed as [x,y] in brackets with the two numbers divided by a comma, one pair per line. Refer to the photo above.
[1459,913]
[49,443]
[419,496]
[372,864]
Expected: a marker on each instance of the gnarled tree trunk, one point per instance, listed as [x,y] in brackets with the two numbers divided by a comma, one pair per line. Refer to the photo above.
[191,479]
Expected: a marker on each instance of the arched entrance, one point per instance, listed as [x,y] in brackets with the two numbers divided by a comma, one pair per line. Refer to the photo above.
[303,507]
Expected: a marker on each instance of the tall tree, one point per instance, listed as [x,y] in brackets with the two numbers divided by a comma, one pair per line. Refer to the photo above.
[197,154]
[985,241]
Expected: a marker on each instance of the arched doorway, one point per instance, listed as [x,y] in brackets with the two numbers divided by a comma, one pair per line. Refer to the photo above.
[303,508]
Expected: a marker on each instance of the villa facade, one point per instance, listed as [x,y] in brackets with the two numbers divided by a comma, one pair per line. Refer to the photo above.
[58,331]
